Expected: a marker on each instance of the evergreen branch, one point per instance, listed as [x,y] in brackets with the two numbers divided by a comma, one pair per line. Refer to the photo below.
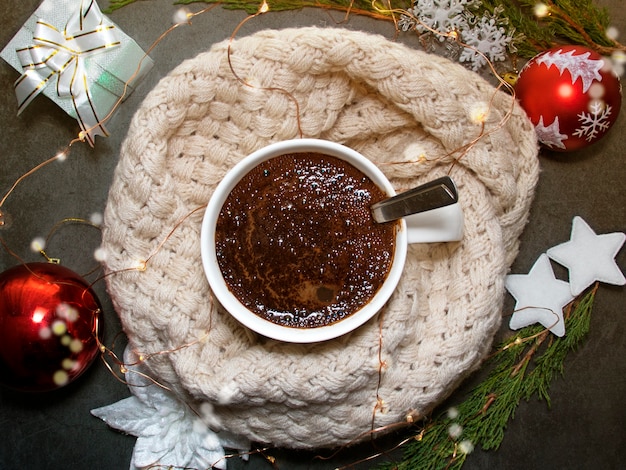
[358,7]
[572,21]
[521,368]
[583,22]
[568,21]
[116,5]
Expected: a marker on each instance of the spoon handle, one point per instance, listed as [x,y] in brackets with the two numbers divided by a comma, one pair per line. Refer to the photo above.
[432,195]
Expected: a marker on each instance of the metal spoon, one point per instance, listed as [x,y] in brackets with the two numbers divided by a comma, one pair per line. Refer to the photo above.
[432,195]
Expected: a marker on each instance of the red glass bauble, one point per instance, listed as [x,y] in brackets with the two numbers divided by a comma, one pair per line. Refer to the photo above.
[571,95]
[49,320]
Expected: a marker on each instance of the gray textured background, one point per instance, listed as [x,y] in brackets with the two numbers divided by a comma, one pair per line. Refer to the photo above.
[585,426]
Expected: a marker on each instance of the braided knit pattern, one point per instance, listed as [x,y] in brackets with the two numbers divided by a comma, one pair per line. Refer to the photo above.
[394,105]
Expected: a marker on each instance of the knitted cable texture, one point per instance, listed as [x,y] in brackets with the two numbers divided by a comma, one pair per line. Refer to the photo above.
[392,104]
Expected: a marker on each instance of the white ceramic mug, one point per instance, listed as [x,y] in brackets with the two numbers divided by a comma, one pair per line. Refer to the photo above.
[437,225]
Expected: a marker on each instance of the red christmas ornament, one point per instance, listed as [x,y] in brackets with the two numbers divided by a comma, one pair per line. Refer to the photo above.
[571,95]
[48,326]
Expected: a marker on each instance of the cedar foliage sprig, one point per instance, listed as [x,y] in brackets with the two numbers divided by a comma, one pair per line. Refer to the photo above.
[520,368]
[569,21]
[357,7]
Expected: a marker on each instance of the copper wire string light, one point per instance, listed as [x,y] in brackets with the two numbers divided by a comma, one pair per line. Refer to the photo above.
[116,365]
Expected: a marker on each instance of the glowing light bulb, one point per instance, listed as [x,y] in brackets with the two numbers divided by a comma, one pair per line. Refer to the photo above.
[618,59]
[414,153]
[59,328]
[612,33]
[479,112]
[67,312]
[596,90]
[453,412]
[45,333]
[455,430]
[100,255]
[466,446]
[75,346]
[264,8]
[182,16]
[5,219]
[141,265]
[96,218]
[60,378]
[541,10]
[38,244]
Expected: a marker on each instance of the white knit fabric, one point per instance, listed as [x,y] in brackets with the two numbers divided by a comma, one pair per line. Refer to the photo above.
[392,104]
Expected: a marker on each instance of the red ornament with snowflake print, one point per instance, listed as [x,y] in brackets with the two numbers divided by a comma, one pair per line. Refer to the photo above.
[571,95]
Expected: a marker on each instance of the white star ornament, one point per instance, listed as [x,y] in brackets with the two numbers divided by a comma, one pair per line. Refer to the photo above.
[589,257]
[540,297]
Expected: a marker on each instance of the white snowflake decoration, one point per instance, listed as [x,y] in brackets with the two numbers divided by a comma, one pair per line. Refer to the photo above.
[168,432]
[579,66]
[594,122]
[487,37]
[443,16]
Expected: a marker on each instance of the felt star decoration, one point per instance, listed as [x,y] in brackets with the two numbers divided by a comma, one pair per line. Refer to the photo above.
[589,257]
[168,432]
[540,297]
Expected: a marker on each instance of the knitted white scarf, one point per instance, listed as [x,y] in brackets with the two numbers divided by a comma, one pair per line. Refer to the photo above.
[392,104]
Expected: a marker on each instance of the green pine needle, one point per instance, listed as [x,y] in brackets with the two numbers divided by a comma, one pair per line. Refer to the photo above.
[362,7]
[116,5]
[521,368]
[569,22]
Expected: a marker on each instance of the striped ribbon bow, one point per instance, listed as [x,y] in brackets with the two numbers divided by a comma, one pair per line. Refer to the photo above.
[63,54]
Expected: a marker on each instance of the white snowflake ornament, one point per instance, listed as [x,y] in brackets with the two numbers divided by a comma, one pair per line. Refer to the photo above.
[540,297]
[589,257]
[594,122]
[168,432]
[438,16]
[486,38]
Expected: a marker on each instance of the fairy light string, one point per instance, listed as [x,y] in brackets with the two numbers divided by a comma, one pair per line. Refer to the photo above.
[117,366]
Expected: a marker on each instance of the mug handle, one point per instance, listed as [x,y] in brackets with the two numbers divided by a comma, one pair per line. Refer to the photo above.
[443,224]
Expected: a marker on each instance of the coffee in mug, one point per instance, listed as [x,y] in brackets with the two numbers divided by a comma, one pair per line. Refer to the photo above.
[312,240]
[296,242]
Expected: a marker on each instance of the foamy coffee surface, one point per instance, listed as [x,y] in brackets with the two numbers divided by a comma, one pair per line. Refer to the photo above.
[296,242]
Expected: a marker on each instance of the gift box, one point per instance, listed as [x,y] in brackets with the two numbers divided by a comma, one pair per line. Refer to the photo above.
[76,56]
